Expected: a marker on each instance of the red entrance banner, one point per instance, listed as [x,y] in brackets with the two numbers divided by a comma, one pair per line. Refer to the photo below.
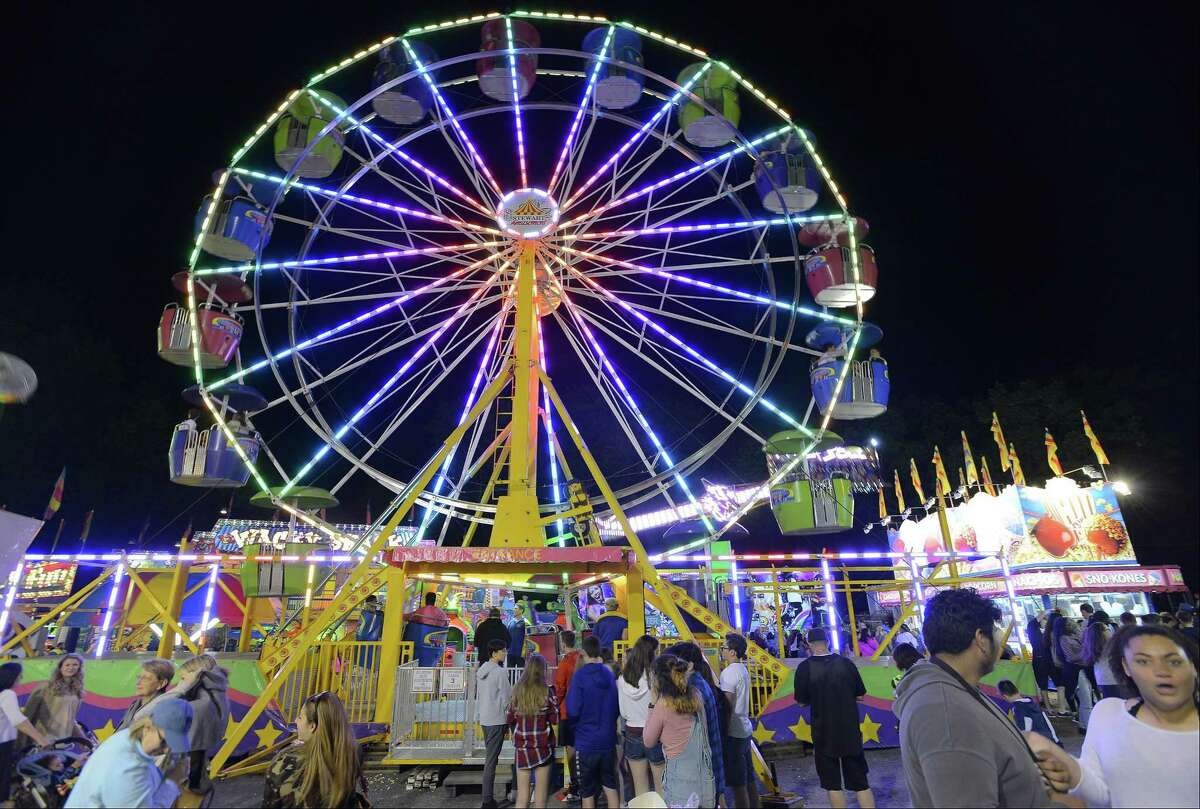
[505,556]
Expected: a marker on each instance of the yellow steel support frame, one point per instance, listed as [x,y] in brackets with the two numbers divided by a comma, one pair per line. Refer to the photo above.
[487,492]
[393,631]
[517,516]
[849,611]
[168,618]
[166,644]
[66,606]
[649,574]
[248,622]
[350,592]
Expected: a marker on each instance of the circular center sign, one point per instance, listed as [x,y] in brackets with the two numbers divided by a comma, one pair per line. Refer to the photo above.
[527,212]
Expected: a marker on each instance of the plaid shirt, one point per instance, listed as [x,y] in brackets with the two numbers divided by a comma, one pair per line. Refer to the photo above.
[533,736]
[712,717]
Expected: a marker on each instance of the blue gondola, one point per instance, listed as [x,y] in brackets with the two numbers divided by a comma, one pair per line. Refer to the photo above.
[786,178]
[411,100]
[205,458]
[239,228]
[616,87]
[864,393]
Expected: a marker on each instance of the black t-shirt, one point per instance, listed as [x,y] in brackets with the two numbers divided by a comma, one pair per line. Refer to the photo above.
[831,685]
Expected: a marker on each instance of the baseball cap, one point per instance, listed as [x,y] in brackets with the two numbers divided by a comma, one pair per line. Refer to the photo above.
[174,718]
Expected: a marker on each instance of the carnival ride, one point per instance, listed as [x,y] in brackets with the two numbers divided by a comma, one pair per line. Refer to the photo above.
[409,262]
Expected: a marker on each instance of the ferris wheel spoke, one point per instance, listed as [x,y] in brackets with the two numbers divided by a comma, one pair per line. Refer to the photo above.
[448,113]
[671,275]
[664,365]
[468,403]
[364,233]
[349,199]
[400,154]
[583,102]
[348,259]
[512,72]
[607,363]
[691,171]
[419,392]
[636,137]
[746,224]
[691,350]
[374,399]
[352,322]
[626,174]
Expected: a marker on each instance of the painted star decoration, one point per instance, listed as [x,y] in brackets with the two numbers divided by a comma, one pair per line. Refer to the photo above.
[801,730]
[762,735]
[268,734]
[102,733]
[869,728]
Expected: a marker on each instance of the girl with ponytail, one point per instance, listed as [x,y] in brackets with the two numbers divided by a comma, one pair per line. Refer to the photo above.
[678,721]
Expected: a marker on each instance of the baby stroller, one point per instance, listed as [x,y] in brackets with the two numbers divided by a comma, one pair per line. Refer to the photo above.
[46,776]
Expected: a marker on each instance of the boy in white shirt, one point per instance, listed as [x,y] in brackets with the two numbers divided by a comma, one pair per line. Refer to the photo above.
[735,682]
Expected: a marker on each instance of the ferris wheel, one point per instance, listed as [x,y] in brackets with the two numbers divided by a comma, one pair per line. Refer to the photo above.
[697,276]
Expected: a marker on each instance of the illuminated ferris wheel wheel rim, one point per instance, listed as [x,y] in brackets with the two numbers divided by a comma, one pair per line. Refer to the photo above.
[642,491]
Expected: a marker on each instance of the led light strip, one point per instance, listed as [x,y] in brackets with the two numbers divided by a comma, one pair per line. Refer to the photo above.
[519,585]
[749,296]
[416,60]
[352,322]
[512,71]
[387,206]
[210,593]
[712,366]
[387,386]
[349,259]
[550,442]
[831,607]
[587,93]
[468,403]
[637,136]
[14,584]
[637,411]
[704,227]
[392,149]
[102,641]
[679,175]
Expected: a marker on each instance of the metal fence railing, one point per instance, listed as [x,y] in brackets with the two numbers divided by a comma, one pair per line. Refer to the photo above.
[349,669]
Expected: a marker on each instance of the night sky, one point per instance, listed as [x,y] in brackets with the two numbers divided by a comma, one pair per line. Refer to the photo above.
[1029,173]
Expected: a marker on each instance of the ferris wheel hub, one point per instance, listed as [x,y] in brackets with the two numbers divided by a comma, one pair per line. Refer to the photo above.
[528,213]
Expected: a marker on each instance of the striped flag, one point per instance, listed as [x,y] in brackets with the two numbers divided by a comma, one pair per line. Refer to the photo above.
[987,477]
[883,510]
[962,479]
[899,491]
[998,435]
[972,475]
[1101,457]
[916,479]
[1052,455]
[939,471]
[1015,464]
[56,496]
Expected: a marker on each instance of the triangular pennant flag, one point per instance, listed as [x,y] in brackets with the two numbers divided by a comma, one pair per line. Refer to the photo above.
[962,479]
[1052,455]
[883,509]
[916,479]
[899,491]
[1101,457]
[972,475]
[998,435]
[56,496]
[1014,462]
[939,471]
[987,477]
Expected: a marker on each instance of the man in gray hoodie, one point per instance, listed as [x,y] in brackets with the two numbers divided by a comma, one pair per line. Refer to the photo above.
[957,747]
[492,691]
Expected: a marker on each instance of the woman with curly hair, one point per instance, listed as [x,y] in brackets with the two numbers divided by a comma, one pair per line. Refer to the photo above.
[54,706]
[678,721]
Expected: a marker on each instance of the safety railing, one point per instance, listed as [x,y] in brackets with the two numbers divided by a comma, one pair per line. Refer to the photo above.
[349,669]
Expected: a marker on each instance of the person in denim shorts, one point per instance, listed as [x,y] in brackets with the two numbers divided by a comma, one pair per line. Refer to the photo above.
[633,690]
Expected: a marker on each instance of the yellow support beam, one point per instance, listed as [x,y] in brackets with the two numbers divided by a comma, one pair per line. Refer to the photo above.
[648,572]
[168,619]
[393,631]
[351,592]
[166,646]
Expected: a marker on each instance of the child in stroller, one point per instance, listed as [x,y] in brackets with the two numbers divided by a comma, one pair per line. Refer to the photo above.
[46,776]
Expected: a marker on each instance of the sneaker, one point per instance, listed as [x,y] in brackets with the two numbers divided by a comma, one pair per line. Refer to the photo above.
[567,796]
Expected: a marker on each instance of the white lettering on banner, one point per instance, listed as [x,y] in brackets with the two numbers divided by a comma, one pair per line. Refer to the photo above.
[1117,578]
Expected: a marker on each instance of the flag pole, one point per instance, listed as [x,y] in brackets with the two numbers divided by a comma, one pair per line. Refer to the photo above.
[57,534]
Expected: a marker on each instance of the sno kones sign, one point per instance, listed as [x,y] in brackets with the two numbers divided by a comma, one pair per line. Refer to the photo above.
[235,536]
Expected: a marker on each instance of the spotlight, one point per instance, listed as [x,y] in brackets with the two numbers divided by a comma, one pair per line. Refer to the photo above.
[874,441]
[1121,487]
[1092,473]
